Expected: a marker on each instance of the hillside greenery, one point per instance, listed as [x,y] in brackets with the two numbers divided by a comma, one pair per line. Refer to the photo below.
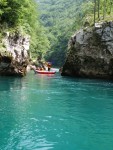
[60,19]
[63,17]
[23,16]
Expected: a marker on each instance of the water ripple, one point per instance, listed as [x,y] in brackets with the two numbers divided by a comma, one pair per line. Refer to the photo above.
[40,112]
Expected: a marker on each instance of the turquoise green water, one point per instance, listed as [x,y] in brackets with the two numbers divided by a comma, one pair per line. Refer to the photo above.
[41,112]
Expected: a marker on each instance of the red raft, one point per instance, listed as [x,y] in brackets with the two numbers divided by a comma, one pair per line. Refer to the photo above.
[45,72]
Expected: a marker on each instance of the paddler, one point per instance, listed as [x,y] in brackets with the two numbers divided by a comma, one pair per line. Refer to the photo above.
[49,66]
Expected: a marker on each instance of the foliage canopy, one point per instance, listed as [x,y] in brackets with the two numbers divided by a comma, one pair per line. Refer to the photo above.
[23,15]
[63,17]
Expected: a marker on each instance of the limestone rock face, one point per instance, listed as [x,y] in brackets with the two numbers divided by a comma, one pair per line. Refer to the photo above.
[14,54]
[90,52]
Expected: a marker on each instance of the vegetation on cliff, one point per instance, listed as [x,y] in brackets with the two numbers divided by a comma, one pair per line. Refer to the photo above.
[22,16]
[63,17]
[90,52]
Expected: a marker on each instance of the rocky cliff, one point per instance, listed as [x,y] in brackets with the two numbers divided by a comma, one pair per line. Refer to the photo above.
[14,54]
[90,52]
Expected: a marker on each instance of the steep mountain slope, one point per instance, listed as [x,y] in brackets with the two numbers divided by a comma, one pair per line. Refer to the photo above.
[20,31]
[63,17]
[59,18]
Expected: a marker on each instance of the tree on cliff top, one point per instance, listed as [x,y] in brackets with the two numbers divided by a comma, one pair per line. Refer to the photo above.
[63,17]
[23,14]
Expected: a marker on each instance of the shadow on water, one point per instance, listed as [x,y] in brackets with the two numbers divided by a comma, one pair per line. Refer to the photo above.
[9,83]
[100,82]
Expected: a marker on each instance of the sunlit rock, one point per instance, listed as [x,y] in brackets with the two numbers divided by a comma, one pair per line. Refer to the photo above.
[14,54]
[90,52]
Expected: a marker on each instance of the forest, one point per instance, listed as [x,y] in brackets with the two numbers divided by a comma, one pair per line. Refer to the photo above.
[23,16]
[51,23]
[62,18]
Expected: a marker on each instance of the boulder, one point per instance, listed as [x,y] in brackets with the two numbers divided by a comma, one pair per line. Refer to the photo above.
[90,52]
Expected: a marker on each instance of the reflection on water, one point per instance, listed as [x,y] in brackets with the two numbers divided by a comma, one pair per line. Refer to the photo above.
[10,83]
[54,112]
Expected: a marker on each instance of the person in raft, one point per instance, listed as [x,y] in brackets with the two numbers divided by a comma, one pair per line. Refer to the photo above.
[49,66]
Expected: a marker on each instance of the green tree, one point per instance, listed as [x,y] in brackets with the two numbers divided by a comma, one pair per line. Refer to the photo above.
[24,15]
[63,17]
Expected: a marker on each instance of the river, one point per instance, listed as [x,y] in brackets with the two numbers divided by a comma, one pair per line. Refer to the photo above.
[39,112]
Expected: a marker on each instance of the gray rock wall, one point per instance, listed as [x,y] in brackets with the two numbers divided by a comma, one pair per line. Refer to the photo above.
[14,54]
[90,52]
